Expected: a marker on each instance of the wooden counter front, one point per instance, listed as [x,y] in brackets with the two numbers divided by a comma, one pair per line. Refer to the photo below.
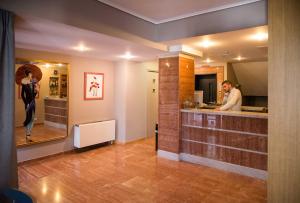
[227,137]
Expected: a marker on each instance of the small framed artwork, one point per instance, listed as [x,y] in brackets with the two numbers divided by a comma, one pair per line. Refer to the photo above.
[53,86]
[93,86]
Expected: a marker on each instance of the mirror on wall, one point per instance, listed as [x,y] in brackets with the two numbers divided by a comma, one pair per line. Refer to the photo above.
[41,101]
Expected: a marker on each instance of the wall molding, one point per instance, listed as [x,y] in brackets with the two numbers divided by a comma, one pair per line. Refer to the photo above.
[179,17]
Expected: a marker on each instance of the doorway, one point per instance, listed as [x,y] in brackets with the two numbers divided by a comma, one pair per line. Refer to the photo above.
[207,84]
[152,102]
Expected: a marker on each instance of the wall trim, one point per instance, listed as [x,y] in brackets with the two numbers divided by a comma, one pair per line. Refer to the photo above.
[179,17]
[255,173]
[168,155]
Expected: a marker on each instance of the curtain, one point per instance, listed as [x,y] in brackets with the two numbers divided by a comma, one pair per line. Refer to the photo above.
[8,157]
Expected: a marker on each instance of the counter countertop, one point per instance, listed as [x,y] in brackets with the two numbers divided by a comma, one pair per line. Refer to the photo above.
[55,98]
[227,113]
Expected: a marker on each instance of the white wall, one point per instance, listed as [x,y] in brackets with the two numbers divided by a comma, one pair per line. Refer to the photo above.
[136,106]
[120,100]
[131,99]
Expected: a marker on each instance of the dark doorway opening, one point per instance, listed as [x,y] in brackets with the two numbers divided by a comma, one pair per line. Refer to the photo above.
[207,84]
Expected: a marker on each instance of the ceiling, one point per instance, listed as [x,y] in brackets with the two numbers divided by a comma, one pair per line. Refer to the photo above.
[228,45]
[39,34]
[160,11]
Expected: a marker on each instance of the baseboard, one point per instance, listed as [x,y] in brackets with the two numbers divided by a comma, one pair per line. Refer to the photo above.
[256,173]
[129,141]
[168,155]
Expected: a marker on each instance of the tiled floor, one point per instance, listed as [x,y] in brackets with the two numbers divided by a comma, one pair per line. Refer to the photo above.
[133,173]
[40,133]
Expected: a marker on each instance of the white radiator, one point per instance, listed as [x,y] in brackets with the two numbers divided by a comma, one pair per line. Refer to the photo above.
[94,133]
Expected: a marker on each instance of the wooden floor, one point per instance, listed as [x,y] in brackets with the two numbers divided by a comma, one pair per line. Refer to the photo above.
[40,133]
[133,173]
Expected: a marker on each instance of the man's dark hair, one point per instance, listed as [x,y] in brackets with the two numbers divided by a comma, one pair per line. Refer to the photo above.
[27,72]
[227,82]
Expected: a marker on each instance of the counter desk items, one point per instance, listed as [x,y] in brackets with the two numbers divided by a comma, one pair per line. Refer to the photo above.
[232,140]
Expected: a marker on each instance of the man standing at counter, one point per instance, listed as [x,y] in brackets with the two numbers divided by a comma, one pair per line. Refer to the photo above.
[232,100]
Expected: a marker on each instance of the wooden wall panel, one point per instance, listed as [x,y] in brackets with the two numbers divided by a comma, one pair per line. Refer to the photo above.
[232,139]
[237,140]
[284,105]
[168,117]
[56,103]
[245,124]
[56,119]
[238,157]
[176,83]
[186,79]
[56,111]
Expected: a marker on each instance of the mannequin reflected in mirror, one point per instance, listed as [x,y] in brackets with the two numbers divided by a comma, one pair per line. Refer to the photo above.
[29,91]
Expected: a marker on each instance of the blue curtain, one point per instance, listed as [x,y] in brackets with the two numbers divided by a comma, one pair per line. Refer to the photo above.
[8,158]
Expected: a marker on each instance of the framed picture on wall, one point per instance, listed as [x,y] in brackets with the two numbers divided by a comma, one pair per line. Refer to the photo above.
[93,86]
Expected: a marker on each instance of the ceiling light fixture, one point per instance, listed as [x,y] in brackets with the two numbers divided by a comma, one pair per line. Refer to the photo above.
[206,43]
[60,65]
[47,65]
[128,55]
[208,60]
[260,36]
[239,58]
[81,47]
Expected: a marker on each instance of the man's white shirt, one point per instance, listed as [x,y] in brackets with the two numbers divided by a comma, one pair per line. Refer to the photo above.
[232,101]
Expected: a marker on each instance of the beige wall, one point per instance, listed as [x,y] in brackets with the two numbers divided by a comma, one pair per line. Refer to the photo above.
[152,97]
[231,74]
[253,77]
[44,91]
[284,102]
[125,99]
[120,100]
[80,111]
[136,100]
[152,102]
[131,99]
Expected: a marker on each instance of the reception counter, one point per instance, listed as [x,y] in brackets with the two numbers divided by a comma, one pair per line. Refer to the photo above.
[230,140]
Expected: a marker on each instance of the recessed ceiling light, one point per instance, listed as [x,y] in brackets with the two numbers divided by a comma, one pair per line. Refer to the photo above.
[239,58]
[60,64]
[47,65]
[260,36]
[81,47]
[127,55]
[208,60]
[206,43]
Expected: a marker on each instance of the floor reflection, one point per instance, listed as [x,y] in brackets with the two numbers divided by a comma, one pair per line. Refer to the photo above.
[132,173]
[40,133]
